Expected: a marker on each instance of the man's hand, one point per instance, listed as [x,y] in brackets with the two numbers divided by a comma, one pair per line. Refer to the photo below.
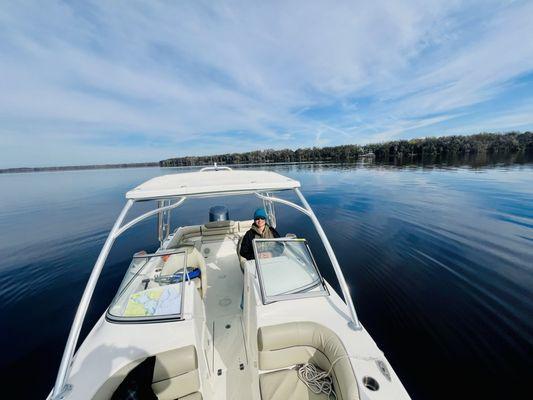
[266,254]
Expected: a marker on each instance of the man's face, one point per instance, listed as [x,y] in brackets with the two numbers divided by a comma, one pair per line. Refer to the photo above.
[260,222]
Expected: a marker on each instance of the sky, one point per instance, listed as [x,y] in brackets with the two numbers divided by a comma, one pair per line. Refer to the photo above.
[134,81]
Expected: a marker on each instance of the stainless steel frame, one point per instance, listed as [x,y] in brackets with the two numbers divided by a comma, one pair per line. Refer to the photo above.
[159,318]
[159,253]
[59,387]
[267,299]
[354,324]
[146,215]
[163,221]
[270,210]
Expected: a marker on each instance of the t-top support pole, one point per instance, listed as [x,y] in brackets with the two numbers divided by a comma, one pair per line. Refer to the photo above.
[307,210]
[338,271]
[59,387]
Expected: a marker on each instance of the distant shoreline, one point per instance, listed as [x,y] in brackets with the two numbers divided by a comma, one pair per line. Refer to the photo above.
[131,165]
[397,151]
[77,167]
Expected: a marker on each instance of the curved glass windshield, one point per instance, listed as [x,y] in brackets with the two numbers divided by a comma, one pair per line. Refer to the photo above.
[152,287]
[286,269]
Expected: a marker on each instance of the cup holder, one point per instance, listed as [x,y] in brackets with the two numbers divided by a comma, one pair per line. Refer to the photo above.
[370,383]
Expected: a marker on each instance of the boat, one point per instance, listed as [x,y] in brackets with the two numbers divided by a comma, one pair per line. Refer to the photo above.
[197,321]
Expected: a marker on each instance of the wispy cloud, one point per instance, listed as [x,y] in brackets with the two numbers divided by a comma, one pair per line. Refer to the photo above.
[134,81]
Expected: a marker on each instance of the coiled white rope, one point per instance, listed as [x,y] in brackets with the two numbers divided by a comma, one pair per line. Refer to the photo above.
[317,380]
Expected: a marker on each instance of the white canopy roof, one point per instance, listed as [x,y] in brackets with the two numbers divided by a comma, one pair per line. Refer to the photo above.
[211,182]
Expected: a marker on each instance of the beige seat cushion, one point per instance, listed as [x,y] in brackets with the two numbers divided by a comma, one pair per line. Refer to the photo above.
[220,225]
[218,230]
[175,376]
[188,232]
[175,362]
[192,396]
[285,345]
[177,386]
[242,260]
[245,225]
[284,385]
[194,260]
[176,373]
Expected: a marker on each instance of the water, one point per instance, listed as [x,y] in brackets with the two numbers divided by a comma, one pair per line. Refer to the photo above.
[439,261]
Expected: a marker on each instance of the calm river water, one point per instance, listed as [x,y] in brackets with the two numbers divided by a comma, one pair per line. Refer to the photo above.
[439,260]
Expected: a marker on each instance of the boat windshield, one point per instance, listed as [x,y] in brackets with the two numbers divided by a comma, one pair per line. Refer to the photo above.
[152,288]
[287,270]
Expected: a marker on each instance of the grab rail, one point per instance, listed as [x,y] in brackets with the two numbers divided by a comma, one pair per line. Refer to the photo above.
[60,387]
[146,215]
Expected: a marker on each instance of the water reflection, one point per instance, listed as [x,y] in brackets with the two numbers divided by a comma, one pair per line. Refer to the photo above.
[438,259]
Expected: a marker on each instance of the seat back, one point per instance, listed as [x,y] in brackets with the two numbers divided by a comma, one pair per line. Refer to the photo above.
[194,260]
[184,234]
[175,375]
[245,225]
[218,230]
[242,260]
[285,345]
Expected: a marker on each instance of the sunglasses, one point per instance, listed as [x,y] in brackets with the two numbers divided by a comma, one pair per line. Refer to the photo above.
[259,218]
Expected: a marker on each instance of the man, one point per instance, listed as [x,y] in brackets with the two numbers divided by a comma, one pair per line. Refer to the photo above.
[259,230]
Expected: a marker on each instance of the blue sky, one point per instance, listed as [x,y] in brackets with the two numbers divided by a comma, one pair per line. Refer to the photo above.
[131,81]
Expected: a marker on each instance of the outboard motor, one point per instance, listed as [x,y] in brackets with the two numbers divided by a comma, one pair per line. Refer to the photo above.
[218,213]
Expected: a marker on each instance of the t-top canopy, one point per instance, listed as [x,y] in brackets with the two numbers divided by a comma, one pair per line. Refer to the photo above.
[211,182]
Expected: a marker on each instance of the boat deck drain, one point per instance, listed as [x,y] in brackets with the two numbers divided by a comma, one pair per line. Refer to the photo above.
[370,383]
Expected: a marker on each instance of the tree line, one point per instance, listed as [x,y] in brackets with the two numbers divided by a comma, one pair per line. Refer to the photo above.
[414,149]
[78,167]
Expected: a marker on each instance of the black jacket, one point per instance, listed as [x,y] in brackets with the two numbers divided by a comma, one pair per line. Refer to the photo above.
[247,250]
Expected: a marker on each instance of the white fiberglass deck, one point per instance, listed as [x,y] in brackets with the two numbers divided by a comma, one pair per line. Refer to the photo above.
[228,360]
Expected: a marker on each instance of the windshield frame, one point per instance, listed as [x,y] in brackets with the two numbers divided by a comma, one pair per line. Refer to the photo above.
[296,293]
[154,318]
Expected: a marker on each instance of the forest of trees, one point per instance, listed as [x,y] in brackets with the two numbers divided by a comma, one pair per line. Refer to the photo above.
[407,150]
